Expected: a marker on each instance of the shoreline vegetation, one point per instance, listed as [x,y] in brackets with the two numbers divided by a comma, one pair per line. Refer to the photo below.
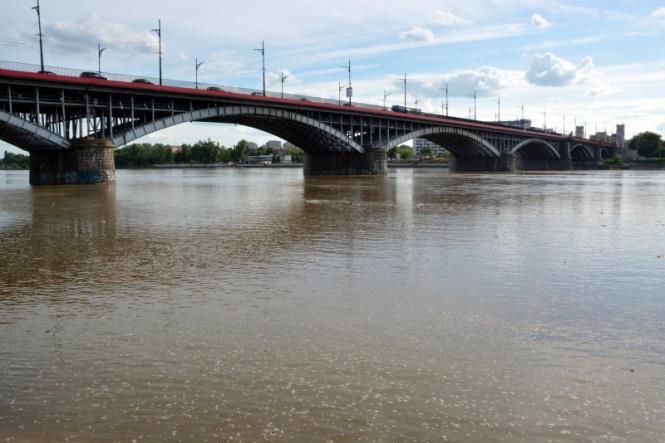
[649,147]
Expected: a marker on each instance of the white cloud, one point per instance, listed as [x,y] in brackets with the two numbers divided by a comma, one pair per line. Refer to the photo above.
[659,13]
[274,78]
[447,18]
[417,34]
[84,34]
[182,56]
[550,70]
[486,81]
[539,21]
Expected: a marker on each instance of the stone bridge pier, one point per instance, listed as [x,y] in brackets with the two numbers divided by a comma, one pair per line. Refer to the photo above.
[370,162]
[88,161]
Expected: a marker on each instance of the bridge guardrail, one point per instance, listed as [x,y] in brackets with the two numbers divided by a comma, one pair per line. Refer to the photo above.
[70,72]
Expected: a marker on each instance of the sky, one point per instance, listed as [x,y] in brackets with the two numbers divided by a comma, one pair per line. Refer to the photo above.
[594,62]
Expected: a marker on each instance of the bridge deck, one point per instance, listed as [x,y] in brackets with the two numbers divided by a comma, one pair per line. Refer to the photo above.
[55,80]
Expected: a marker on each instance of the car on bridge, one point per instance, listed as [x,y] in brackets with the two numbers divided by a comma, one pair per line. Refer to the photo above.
[142,81]
[94,75]
[216,89]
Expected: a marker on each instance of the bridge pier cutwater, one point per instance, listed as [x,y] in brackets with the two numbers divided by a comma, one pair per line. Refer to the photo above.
[370,162]
[88,161]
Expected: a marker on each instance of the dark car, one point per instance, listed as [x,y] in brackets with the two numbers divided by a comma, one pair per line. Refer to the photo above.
[94,75]
[142,81]
[46,72]
[257,93]
[215,88]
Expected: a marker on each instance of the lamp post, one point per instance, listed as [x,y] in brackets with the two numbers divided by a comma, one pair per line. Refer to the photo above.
[198,66]
[283,78]
[100,51]
[41,44]
[349,90]
[385,97]
[340,86]
[404,89]
[158,31]
[444,105]
[262,50]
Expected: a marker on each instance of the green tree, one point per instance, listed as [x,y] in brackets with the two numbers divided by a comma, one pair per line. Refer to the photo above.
[240,151]
[647,144]
[15,161]
[392,153]
[426,152]
[297,155]
[405,153]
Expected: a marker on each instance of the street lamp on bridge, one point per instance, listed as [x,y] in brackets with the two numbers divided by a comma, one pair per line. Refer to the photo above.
[41,36]
[385,97]
[444,105]
[349,90]
[262,50]
[158,31]
[100,51]
[340,87]
[282,79]
[198,66]
[404,89]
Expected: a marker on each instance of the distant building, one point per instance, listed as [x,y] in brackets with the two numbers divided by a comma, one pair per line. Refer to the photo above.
[579,131]
[259,159]
[601,137]
[274,145]
[252,145]
[620,137]
[283,155]
[421,143]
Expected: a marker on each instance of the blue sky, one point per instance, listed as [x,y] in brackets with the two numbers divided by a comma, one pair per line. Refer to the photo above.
[602,62]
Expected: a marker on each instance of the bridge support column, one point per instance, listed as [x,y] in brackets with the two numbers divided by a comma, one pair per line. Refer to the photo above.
[88,161]
[505,163]
[371,162]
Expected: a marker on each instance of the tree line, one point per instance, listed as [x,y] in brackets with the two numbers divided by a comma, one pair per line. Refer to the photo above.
[14,161]
[207,152]
[648,145]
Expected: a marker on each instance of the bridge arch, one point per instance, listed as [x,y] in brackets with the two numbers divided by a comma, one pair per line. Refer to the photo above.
[29,136]
[310,135]
[535,148]
[581,153]
[461,143]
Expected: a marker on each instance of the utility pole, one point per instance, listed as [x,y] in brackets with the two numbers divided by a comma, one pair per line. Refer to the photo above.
[475,104]
[158,31]
[545,121]
[385,97]
[499,114]
[405,90]
[282,78]
[349,90]
[564,124]
[197,65]
[340,87]
[41,36]
[100,50]
[444,105]
[262,50]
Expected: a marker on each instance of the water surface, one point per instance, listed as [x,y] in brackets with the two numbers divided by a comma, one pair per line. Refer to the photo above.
[258,305]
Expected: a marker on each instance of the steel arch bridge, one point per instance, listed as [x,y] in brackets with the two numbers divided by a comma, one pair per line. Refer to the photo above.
[55,117]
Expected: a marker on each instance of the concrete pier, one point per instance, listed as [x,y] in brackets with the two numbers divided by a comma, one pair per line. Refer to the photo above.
[88,161]
[373,162]
[505,163]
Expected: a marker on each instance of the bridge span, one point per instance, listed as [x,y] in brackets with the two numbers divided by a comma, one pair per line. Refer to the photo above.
[70,126]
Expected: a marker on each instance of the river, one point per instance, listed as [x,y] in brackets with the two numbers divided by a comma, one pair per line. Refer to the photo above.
[258,305]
